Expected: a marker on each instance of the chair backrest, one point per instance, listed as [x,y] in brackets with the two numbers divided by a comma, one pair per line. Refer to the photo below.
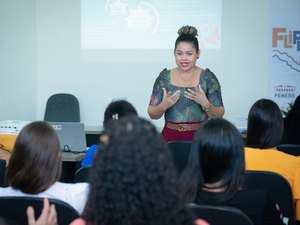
[291,149]
[82,174]
[278,188]
[180,151]
[14,208]
[62,107]
[220,215]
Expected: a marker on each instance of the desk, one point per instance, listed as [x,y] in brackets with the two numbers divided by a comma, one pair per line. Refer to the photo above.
[72,157]
[70,163]
[66,156]
[93,129]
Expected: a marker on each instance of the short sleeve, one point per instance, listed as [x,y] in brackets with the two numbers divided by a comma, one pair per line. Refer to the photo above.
[157,92]
[296,191]
[211,86]
[88,159]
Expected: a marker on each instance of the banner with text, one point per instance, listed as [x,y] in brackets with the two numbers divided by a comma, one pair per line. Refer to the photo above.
[284,52]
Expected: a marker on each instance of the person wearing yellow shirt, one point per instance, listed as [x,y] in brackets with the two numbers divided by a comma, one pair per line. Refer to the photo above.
[264,132]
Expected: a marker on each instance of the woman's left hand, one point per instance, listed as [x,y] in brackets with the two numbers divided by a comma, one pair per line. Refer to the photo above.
[197,95]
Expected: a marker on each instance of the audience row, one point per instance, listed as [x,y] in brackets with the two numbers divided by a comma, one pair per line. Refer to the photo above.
[133,179]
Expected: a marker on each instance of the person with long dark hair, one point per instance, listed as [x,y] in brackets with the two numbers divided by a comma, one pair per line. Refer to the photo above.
[291,131]
[264,132]
[215,170]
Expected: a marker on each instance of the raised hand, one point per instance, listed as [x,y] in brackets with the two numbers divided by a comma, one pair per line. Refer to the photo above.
[197,95]
[169,98]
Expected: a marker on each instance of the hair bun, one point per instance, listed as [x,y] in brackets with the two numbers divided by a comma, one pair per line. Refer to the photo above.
[190,30]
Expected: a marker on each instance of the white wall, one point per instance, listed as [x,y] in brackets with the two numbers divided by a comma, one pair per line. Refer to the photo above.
[17,60]
[63,67]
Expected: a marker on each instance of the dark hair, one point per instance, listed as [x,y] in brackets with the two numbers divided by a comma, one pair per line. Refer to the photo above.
[118,109]
[217,155]
[188,34]
[133,181]
[291,133]
[265,125]
[35,163]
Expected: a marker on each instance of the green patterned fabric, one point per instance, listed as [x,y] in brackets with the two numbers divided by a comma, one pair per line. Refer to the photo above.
[186,110]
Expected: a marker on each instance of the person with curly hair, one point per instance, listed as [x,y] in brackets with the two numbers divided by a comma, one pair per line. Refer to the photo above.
[133,180]
[186,95]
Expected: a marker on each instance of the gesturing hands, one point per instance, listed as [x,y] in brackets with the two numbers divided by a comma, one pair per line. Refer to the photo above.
[197,95]
[169,99]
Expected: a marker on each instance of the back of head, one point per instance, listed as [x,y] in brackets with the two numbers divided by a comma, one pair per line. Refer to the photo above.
[291,134]
[265,124]
[217,156]
[118,109]
[294,113]
[188,34]
[35,162]
[133,180]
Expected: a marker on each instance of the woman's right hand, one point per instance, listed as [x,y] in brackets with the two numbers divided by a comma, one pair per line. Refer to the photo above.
[169,98]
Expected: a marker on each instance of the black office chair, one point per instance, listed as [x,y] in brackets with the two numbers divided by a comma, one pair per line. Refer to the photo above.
[14,209]
[180,151]
[278,188]
[291,149]
[82,174]
[220,215]
[62,107]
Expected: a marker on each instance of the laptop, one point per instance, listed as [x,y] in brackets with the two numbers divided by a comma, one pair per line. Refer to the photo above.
[71,136]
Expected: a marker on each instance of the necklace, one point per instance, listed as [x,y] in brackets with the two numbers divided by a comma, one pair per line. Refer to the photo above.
[189,75]
[189,80]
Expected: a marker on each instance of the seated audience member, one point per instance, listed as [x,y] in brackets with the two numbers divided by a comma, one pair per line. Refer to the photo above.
[215,172]
[133,180]
[35,167]
[264,132]
[114,111]
[291,130]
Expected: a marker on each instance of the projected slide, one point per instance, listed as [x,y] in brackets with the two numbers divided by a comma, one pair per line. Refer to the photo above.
[148,24]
